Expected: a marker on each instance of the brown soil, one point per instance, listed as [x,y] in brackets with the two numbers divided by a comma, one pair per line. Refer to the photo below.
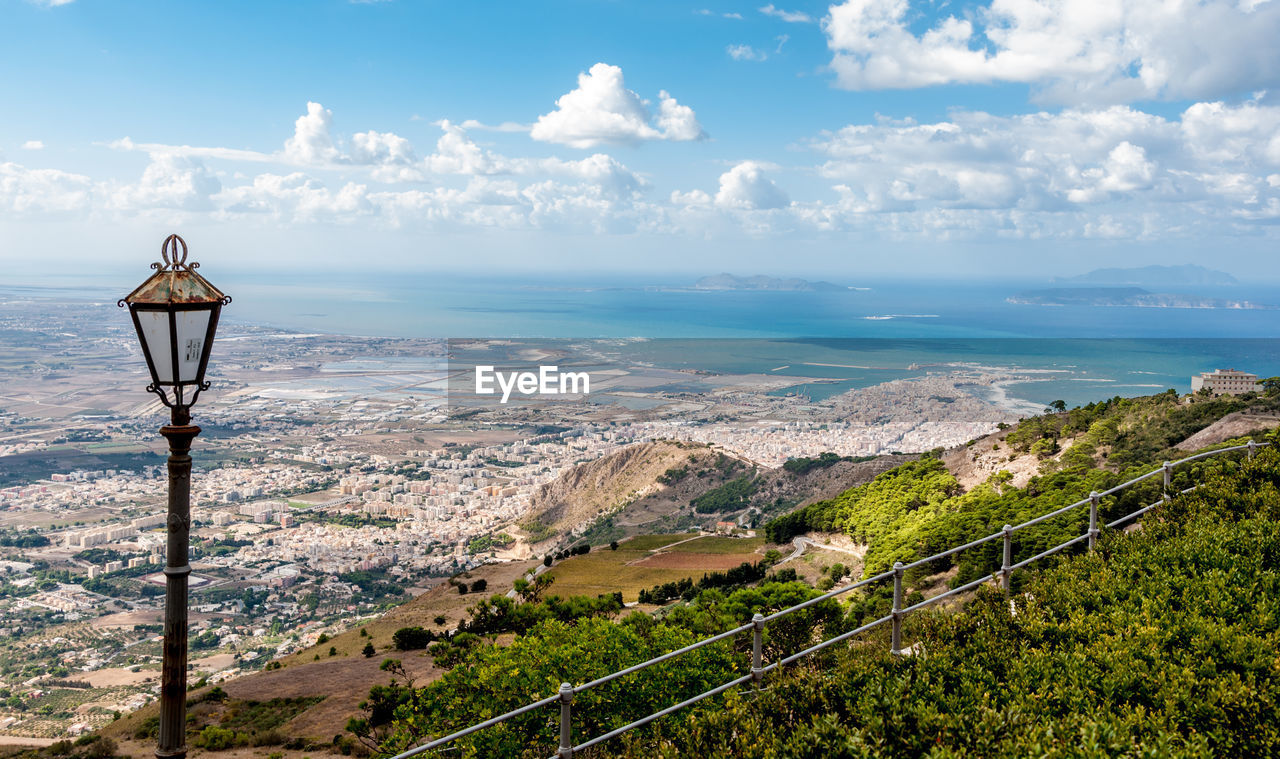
[344,681]
[128,619]
[1229,426]
[973,464]
[707,561]
[107,678]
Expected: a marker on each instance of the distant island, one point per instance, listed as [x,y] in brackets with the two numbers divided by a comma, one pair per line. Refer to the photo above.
[759,282]
[1152,276]
[1123,296]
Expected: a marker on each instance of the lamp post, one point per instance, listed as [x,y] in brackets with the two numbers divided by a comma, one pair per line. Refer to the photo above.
[175,312]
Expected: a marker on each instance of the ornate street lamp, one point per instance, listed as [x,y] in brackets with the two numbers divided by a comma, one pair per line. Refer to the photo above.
[176,313]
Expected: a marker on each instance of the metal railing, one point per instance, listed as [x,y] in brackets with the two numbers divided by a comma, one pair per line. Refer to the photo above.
[564,697]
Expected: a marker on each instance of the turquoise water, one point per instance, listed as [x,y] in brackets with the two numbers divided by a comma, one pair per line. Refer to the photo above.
[853,338]
[1075,370]
[418,305]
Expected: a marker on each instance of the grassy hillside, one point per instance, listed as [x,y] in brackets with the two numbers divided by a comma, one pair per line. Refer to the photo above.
[921,508]
[1162,643]
[916,509]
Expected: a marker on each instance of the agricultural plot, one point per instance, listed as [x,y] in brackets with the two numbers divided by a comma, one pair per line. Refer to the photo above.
[50,712]
[650,560]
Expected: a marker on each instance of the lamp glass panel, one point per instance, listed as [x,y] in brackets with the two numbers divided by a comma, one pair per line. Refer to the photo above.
[153,327]
[193,329]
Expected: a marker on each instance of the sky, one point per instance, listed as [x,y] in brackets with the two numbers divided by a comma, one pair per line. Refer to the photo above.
[869,137]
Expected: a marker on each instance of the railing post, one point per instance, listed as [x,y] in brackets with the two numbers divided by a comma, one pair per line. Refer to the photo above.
[757,649]
[896,644]
[1093,518]
[1168,480]
[1252,445]
[566,721]
[1005,572]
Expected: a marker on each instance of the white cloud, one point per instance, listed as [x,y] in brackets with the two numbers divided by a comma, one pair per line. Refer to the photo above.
[222,154]
[33,192]
[1125,169]
[390,154]
[677,122]
[1218,132]
[390,157]
[598,171]
[603,110]
[1111,173]
[1078,173]
[791,17]
[1072,51]
[33,145]
[311,142]
[746,187]
[506,126]
[169,182]
[381,147]
[709,12]
[50,3]
[691,198]
[458,154]
[297,197]
[745,53]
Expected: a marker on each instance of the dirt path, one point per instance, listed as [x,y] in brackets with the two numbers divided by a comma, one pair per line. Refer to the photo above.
[14,740]
[803,542]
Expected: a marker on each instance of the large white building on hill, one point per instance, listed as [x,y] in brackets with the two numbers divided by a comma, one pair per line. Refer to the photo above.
[1230,381]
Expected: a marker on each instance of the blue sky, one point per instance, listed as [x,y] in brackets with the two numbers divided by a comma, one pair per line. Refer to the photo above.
[887,137]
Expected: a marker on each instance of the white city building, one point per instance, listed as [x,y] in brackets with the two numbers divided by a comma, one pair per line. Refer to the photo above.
[1230,381]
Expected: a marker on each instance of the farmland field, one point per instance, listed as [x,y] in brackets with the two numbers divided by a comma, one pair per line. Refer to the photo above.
[645,561]
[652,542]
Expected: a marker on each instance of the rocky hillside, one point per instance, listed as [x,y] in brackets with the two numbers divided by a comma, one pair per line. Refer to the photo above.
[603,487]
[673,485]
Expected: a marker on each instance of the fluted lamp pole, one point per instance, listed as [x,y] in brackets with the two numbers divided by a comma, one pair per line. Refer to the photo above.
[176,314]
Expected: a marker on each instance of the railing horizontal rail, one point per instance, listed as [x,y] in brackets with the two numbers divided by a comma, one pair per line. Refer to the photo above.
[950,551]
[1137,513]
[818,647]
[1048,553]
[660,714]
[1050,515]
[758,624]
[1134,481]
[953,592]
[479,726]
[664,657]
[1207,454]
[828,595]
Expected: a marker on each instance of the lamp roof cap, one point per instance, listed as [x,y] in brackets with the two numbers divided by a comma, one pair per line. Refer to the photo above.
[175,281]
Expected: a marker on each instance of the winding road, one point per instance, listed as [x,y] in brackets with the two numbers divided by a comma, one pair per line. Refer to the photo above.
[802,541]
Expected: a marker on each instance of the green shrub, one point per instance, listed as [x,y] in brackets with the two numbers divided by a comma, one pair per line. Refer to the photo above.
[216,738]
[411,638]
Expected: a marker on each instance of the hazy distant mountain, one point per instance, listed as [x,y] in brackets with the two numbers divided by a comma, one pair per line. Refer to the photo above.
[1124,296]
[759,282]
[1152,276]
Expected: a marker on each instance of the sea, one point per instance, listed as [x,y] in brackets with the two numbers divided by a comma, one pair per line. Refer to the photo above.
[874,331]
